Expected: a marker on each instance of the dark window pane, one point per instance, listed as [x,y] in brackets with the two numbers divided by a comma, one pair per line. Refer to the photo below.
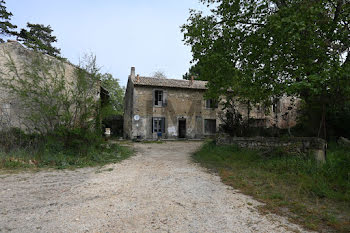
[158,125]
[209,126]
[158,97]
[210,103]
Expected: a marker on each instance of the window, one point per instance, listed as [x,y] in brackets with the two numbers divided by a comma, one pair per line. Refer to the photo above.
[210,126]
[158,124]
[158,98]
[210,103]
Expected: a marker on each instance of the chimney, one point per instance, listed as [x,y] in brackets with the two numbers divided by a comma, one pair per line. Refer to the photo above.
[138,78]
[132,73]
[191,81]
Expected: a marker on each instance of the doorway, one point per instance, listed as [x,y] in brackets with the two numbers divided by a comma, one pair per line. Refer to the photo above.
[182,128]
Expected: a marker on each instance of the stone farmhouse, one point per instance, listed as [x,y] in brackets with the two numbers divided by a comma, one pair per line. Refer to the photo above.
[173,108]
[167,108]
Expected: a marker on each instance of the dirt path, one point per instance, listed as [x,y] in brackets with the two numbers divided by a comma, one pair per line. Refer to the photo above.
[158,190]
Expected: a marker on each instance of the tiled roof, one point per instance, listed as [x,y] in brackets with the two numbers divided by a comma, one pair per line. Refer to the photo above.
[164,82]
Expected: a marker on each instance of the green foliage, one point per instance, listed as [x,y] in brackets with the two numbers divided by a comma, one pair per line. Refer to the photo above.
[39,38]
[339,120]
[263,49]
[6,28]
[232,121]
[62,149]
[53,100]
[60,112]
[311,192]
[115,106]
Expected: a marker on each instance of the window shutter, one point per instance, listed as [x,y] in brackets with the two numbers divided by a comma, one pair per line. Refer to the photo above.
[153,100]
[165,98]
[163,124]
[152,123]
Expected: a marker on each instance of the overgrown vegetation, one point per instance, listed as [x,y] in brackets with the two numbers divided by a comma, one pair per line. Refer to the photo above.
[59,112]
[115,93]
[50,96]
[262,50]
[65,149]
[312,194]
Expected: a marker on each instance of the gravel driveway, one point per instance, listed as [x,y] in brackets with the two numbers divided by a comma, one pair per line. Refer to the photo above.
[158,190]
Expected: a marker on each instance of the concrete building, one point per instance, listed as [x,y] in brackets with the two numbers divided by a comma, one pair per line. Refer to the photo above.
[172,108]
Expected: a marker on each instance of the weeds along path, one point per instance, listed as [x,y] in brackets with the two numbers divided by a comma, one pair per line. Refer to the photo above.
[158,190]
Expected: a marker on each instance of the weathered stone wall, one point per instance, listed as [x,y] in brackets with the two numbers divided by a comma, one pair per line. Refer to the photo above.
[182,103]
[128,110]
[296,145]
[282,115]
[12,112]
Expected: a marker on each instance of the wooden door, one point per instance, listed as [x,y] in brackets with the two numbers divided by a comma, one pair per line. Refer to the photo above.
[182,128]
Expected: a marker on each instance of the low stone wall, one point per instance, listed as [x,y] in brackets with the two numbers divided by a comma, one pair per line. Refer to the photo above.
[294,145]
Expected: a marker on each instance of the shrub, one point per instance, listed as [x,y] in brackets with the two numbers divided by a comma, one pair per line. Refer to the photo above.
[63,149]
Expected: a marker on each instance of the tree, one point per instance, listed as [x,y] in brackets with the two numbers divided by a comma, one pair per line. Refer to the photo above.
[39,38]
[5,25]
[195,72]
[159,74]
[51,101]
[263,49]
[115,91]
[232,120]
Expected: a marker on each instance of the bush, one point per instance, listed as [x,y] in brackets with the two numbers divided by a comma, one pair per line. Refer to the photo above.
[62,149]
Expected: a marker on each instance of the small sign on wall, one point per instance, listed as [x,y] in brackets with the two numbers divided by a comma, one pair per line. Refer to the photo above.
[136,117]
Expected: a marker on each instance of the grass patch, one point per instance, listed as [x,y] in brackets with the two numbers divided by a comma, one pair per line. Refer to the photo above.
[22,159]
[61,151]
[33,151]
[316,196]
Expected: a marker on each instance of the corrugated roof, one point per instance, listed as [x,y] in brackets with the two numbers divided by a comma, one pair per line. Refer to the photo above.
[164,82]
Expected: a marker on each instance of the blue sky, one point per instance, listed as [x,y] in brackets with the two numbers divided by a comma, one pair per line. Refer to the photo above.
[144,34]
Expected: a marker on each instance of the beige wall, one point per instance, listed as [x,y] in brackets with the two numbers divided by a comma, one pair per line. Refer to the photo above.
[282,116]
[182,103]
[190,104]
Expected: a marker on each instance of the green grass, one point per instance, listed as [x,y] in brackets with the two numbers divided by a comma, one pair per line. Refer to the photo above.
[63,148]
[51,157]
[314,195]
